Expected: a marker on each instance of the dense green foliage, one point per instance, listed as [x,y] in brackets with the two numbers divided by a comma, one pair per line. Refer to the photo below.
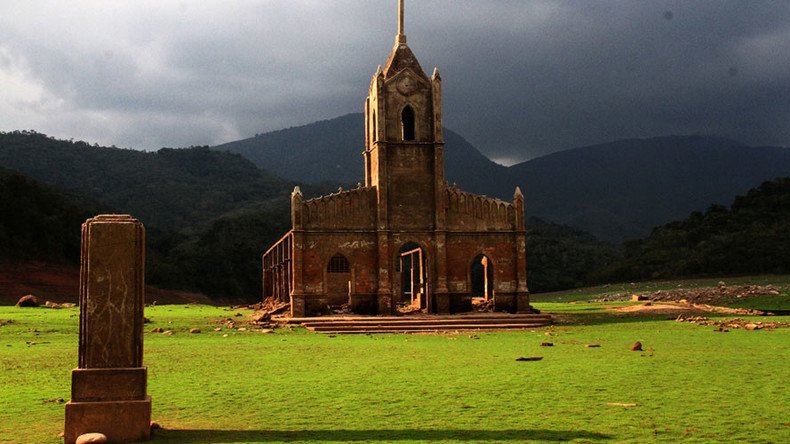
[293,386]
[560,257]
[38,221]
[752,236]
[223,260]
[169,189]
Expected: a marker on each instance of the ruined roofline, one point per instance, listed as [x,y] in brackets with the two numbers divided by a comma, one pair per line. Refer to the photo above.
[276,244]
[360,189]
[457,191]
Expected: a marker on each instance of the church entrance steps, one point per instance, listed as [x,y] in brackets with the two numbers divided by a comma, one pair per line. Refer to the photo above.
[422,323]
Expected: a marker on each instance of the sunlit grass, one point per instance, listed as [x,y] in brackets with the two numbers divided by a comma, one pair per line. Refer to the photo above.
[690,383]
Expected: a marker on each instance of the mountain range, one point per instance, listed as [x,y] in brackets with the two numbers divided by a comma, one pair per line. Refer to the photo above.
[210,214]
[170,188]
[616,191]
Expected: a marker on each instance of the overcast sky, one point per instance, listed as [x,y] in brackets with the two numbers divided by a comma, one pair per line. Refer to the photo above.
[521,78]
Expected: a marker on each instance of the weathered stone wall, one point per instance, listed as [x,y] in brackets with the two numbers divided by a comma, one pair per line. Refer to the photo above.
[467,211]
[408,88]
[500,249]
[358,247]
[352,209]
[411,187]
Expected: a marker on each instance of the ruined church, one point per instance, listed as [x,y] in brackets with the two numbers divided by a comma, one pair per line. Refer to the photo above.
[407,237]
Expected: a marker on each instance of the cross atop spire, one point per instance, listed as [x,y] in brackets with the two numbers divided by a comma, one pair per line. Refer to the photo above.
[401,38]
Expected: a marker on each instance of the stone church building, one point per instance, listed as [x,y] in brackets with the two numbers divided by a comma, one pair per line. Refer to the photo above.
[407,237]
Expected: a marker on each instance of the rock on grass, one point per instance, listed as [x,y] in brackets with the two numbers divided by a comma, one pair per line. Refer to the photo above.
[27,300]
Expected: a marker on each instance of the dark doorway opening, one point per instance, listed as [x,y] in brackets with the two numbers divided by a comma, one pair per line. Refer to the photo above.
[412,265]
[338,281]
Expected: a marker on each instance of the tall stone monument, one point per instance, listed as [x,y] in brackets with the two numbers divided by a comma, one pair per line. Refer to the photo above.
[109,387]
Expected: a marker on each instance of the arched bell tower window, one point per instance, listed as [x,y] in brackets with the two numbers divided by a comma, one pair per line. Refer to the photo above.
[407,120]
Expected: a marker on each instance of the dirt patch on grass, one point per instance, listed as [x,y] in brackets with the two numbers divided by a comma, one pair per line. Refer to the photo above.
[683,307]
[657,308]
[719,295]
[737,323]
[61,283]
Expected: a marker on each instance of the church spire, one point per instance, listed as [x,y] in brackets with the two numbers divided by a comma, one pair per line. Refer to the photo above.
[401,38]
[401,56]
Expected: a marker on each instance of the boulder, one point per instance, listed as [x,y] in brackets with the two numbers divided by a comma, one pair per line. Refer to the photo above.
[91,438]
[27,300]
[194,330]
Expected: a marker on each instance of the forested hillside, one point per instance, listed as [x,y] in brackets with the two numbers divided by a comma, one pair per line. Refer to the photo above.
[40,222]
[621,190]
[170,188]
[560,257]
[751,236]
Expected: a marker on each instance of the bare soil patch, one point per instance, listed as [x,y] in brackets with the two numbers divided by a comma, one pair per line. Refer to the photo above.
[657,308]
[60,283]
[684,307]
[719,295]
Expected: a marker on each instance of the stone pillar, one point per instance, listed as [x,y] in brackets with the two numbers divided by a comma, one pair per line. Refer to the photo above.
[109,387]
[384,293]
[522,292]
[440,294]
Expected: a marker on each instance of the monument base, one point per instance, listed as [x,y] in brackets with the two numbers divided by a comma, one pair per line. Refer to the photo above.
[111,401]
[120,421]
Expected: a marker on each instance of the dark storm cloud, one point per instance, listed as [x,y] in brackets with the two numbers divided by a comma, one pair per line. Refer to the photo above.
[521,78]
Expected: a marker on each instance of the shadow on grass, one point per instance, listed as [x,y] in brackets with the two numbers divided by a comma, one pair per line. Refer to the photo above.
[570,319]
[218,436]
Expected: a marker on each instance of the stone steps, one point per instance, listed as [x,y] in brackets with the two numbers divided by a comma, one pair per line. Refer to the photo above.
[422,323]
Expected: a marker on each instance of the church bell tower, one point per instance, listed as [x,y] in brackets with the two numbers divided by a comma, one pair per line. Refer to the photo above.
[404,143]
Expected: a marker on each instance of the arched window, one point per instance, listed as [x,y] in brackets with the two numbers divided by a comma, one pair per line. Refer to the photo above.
[338,264]
[407,119]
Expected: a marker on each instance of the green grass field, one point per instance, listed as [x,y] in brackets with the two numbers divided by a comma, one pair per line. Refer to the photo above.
[691,384]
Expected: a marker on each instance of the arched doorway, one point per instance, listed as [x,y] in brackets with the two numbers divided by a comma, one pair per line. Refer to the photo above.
[338,280]
[412,265]
[482,278]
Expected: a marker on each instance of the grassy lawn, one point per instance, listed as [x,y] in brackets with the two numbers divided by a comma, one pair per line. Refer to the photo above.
[691,384]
